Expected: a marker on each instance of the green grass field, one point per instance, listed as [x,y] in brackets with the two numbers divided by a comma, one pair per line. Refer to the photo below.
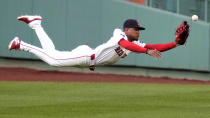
[103,100]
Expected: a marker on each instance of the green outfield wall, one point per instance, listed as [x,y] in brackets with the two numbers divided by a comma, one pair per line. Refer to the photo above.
[70,23]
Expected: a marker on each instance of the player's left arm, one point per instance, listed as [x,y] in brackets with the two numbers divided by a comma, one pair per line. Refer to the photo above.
[182,33]
[162,47]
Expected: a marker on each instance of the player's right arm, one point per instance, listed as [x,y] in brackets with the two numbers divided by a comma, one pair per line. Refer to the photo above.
[136,48]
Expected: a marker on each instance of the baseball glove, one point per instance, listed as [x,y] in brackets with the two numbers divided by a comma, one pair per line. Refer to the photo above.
[182,32]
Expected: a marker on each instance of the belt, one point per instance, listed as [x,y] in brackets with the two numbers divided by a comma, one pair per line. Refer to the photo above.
[92,62]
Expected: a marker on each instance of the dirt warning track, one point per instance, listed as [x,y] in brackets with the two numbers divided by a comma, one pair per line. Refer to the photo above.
[28,74]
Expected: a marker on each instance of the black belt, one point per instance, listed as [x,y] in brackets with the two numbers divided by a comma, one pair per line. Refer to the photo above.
[92,62]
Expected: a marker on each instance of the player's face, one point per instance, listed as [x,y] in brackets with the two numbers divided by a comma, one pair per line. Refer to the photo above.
[132,34]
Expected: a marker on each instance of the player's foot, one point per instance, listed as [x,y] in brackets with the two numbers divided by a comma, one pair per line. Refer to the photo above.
[31,20]
[14,44]
[28,19]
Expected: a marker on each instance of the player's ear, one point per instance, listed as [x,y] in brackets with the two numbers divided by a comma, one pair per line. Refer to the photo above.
[125,29]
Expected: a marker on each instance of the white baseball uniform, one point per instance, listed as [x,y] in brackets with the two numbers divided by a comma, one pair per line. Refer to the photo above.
[107,53]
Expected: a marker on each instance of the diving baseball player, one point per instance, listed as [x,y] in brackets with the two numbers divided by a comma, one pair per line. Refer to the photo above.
[118,46]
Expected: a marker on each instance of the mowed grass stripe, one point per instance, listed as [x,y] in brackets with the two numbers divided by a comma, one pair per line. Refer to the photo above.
[103,100]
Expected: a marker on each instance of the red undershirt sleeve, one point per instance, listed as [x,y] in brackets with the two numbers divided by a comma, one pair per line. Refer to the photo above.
[131,46]
[136,48]
[161,47]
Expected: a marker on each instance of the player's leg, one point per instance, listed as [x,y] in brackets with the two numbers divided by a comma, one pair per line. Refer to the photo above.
[34,22]
[44,55]
[75,57]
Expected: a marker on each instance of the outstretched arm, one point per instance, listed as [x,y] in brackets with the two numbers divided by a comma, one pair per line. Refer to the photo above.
[182,33]
[161,47]
[136,48]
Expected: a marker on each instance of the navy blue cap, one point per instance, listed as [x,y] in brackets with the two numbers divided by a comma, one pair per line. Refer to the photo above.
[132,23]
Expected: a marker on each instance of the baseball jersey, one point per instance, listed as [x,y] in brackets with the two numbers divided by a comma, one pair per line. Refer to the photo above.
[111,52]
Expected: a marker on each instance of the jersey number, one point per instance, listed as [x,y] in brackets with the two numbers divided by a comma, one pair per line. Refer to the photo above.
[120,52]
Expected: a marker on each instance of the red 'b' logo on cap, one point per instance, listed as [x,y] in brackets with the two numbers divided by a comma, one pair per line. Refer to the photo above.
[138,23]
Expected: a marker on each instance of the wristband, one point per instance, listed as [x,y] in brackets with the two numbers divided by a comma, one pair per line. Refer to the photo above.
[147,51]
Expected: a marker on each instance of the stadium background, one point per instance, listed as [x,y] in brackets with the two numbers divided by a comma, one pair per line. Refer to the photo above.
[74,22]
[29,88]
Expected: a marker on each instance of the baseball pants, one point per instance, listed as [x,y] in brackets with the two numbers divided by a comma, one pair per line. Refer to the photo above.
[80,56]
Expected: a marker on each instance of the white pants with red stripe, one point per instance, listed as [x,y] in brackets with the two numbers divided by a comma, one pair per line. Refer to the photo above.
[80,56]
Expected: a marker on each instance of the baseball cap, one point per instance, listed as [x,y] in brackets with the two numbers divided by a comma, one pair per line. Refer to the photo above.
[132,23]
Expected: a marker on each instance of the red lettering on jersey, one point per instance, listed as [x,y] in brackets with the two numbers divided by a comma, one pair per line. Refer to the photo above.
[120,52]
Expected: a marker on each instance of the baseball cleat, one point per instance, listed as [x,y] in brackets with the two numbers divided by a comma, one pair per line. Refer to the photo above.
[14,44]
[28,19]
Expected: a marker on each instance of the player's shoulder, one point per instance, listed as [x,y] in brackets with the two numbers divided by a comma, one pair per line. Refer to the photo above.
[138,41]
[118,32]
[141,43]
